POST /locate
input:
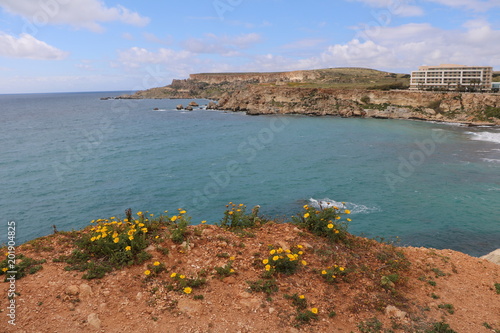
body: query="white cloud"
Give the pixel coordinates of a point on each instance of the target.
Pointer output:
(27, 46)
(77, 13)
(223, 45)
(474, 5)
(401, 8)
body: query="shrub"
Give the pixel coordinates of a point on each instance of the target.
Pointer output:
(333, 274)
(23, 266)
(324, 222)
(236, 219)
(284, 261)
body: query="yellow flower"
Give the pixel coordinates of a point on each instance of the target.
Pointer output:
(173, 218)
(306, 207)
(330, 226)
(230, 213)
(182, 276)
(144, 230)
(139, 213)
(302, 297)
(337, 217)
(98, 237)
(341, 269)
(156, 263)
(275, 258)
(203, 221)
(299, 246)
(151, 215)
(265, 261)
(130, 237)
(128, 248)
(290, 256)
(241, 205)
(280, 250)
(336, 231)
(166, 211)
(314, 310)
(272, 251)
(188, 290)
(147, 272)
(268, 267)
(347, 211)
(182, 212)
(116, 240)
(156, 237)
(238, 210)
(304, 262)
(231, 270)
(323, 272)
(140, 225)
(5, 269)
(92, 239)
(232, 258)
(173, 275)
(349, 220)
(306, 215)
(300, 252)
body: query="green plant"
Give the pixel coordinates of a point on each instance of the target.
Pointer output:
(440, 327)
(438, 272)
(389, 281)
(497, 287)
(305, 317)
(333, 274)
(324, 222)
(372, 325)
(448, 307)
(299, 301)
(184, 284)
(434, 296)
(284, 261)
(114, 243)
(236, 219)
(225, 270)
(266, 286)
(365, 99)
(22, 266)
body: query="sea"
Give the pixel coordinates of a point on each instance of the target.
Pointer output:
(69, 158)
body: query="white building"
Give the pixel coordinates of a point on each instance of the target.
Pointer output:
(452, 77)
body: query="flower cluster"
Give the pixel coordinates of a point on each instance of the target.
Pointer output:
(333, 274)
(325, 222)
(185, 284)
(155, 269)
(284, 261)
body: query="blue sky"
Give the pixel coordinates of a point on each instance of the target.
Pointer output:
(95, 45)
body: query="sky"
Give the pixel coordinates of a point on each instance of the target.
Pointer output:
(125, 45)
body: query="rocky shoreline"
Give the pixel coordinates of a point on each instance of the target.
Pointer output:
(295, 93)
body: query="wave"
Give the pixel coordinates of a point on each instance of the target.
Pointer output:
(492, 160)
(353, 207)
(486, 136)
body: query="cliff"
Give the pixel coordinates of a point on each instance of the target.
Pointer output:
(471, 108)
(218, 281)
(346, 92)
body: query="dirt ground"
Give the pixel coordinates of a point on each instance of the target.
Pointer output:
(437, 286)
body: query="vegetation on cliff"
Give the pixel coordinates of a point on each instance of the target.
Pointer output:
(159, 273)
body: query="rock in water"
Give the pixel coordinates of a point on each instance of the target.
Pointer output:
(193, 103)
(179, 107)
(494, 257)
(212, 106)
(189, 108)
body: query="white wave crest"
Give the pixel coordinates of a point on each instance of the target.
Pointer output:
(354, 208)
(486, 136)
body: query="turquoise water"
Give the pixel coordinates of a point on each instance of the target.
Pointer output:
(69, 158)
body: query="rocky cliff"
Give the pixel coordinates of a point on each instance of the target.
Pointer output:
(473, 108)
(346, 92)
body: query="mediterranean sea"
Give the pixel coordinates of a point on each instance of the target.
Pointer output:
(69, 158)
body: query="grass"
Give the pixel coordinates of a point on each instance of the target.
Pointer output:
(21, 265)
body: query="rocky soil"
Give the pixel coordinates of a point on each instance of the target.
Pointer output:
(433, 286)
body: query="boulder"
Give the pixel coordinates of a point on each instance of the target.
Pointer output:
(189, 108)
(494, 257)
(193, 103)
(179, 107)
(212, 106)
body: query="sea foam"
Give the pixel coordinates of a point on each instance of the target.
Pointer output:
(353, 207)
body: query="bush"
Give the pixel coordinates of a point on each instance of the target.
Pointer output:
(324, 222)
(236, 219)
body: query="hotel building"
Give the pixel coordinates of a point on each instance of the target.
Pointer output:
(451, 77)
